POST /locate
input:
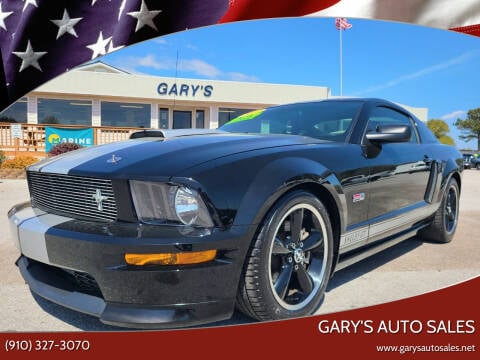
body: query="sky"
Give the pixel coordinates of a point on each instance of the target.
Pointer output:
(408, 64)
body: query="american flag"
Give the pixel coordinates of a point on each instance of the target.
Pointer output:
(257, 9)
(342, 24)
(41, 39)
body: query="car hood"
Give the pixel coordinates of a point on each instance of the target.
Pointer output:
(161, 156)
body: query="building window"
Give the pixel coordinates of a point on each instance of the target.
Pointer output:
(200, 119)
(65, 112)
(227, 114)
(163, 117)
(15, 113)
(125, 114)
(182, 119)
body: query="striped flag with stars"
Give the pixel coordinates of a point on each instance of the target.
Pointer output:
(41, 39)
(342, 24)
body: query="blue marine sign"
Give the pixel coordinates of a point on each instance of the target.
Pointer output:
(53, 136)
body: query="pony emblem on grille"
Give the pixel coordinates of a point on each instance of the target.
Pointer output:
(99, 199)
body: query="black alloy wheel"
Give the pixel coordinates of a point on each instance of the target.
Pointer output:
(298, 256)
(451, 209)
(290, 262)
(445, 220)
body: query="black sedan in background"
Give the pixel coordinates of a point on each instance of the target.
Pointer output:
(467, 164)
(475, 162)
(176, 228)
(471, 161)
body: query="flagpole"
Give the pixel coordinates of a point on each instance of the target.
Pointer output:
(341, 72)
(176, 75)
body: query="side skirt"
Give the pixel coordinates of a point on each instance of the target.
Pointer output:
(360, 254)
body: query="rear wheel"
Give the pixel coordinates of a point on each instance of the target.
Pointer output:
(477, 166)
(445, 220)
(289, 263)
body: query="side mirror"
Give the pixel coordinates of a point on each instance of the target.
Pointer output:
(390, 133)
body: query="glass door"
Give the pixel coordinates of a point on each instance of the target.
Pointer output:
(182, 119)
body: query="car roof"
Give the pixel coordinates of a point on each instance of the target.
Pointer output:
(349, 99)
(343, 99)
(365, 100)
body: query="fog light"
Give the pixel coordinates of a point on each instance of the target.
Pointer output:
(185, 258)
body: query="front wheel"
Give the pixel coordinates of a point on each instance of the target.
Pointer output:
(445, 220)
(289, 263)
(477, 166)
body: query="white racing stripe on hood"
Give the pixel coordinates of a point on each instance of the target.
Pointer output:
(62, 164)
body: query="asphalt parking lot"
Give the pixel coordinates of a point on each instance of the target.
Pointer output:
(408, 269)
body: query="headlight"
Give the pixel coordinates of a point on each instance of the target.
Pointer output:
(186, 205)
(159, 203)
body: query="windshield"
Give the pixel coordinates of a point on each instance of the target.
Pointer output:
(326, 120)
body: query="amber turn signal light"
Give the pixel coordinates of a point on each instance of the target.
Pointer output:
(185, 258)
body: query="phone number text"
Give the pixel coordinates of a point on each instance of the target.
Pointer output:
(46, 345)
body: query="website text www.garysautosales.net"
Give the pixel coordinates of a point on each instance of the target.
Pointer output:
(412, 349)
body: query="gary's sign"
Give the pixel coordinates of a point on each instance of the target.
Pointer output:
(185, 90)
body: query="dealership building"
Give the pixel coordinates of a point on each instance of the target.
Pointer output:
(98, 94)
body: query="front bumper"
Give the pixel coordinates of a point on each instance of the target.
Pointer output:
(80, 265)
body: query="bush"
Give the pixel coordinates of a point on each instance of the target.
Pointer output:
(2, 157)
(63, 148)
(19, 162)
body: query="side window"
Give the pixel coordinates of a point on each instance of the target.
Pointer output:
(386, 116)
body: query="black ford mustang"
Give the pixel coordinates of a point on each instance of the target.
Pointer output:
(175, 228)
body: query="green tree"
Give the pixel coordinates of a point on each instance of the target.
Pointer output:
(447, 140)
(470, 126)
(440, 129)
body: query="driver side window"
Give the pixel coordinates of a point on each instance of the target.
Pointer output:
(386, 116)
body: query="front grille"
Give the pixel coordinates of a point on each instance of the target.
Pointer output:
(72, 196)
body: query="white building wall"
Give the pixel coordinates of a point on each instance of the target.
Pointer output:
(138, 87)
(32, 107)
(96, 113)
(213, 117)
(420, 113)
(154, 116)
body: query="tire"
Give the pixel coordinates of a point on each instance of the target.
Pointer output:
(289, 263)
(477, 166)
(445, 220)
